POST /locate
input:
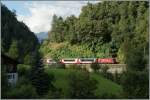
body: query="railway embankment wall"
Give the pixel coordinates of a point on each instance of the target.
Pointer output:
(112, 68)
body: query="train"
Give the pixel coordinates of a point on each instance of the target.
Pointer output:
(83, 61)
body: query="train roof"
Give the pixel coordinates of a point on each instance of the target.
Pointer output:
(87, 58)
(69, 58)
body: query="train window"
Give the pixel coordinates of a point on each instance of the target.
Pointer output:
(87, 59)
(69, 60)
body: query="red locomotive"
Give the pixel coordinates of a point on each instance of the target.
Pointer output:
(106, 60)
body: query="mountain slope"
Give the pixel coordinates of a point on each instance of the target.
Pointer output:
(41, 36)
(13, 30)
(104, 85)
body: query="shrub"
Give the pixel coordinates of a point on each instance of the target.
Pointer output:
(136, 84)
(95, 67)
(25, 91)
(23, 70)
(55, 94)
(108, 96)
(41, 81)
(81, 85)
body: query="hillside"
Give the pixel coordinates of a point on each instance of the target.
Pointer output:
(104, 85)
(106, 29)
(17, 39)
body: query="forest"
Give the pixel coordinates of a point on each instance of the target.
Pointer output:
(118, 29)
(102, 30)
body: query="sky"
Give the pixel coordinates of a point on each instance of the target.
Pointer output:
(37, 15)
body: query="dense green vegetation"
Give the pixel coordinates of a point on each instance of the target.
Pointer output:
(17, 41)
(136, 85)
(101, 30)
(20, 44)
(106, 29)
(104, 86)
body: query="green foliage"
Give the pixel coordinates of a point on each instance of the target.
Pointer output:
(95, 67)
(13, 50)
(65, 50)
(23, 70)
(103, 51)
(106, 29)
(17, 39)
(41, 80)
(25, 91)
(56, 33)
(136, 84)
(138, 62)
(55, 94)
(30, 59)
(103, 31)
(118, 77)
(81, 85)
(104, 69)
(19, 43)
(109, 96)
(113, 49)
(74, 66)
(105, 73)
(103, 86)
(121, 55)
(4, 82)
(22, 90)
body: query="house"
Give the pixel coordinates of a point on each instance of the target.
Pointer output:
(11, 68)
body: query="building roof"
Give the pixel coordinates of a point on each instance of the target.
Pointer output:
(5, 57)
(11, 64)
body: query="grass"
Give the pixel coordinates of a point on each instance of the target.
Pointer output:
(104, 85)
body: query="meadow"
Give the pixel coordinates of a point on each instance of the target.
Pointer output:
(104, 86)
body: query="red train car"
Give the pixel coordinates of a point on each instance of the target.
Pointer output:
(106, 60)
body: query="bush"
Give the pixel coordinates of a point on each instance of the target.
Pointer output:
(106, 74)
(25, 91)
(55, 94)
(23, 70)
(108, 96)
(74, 66)
(4, 82)
(57, 65)
(95, 67)
(136, 84)
(104, 70)
(81, 85)
(118, 77)
(41, 81)
(138, 63)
